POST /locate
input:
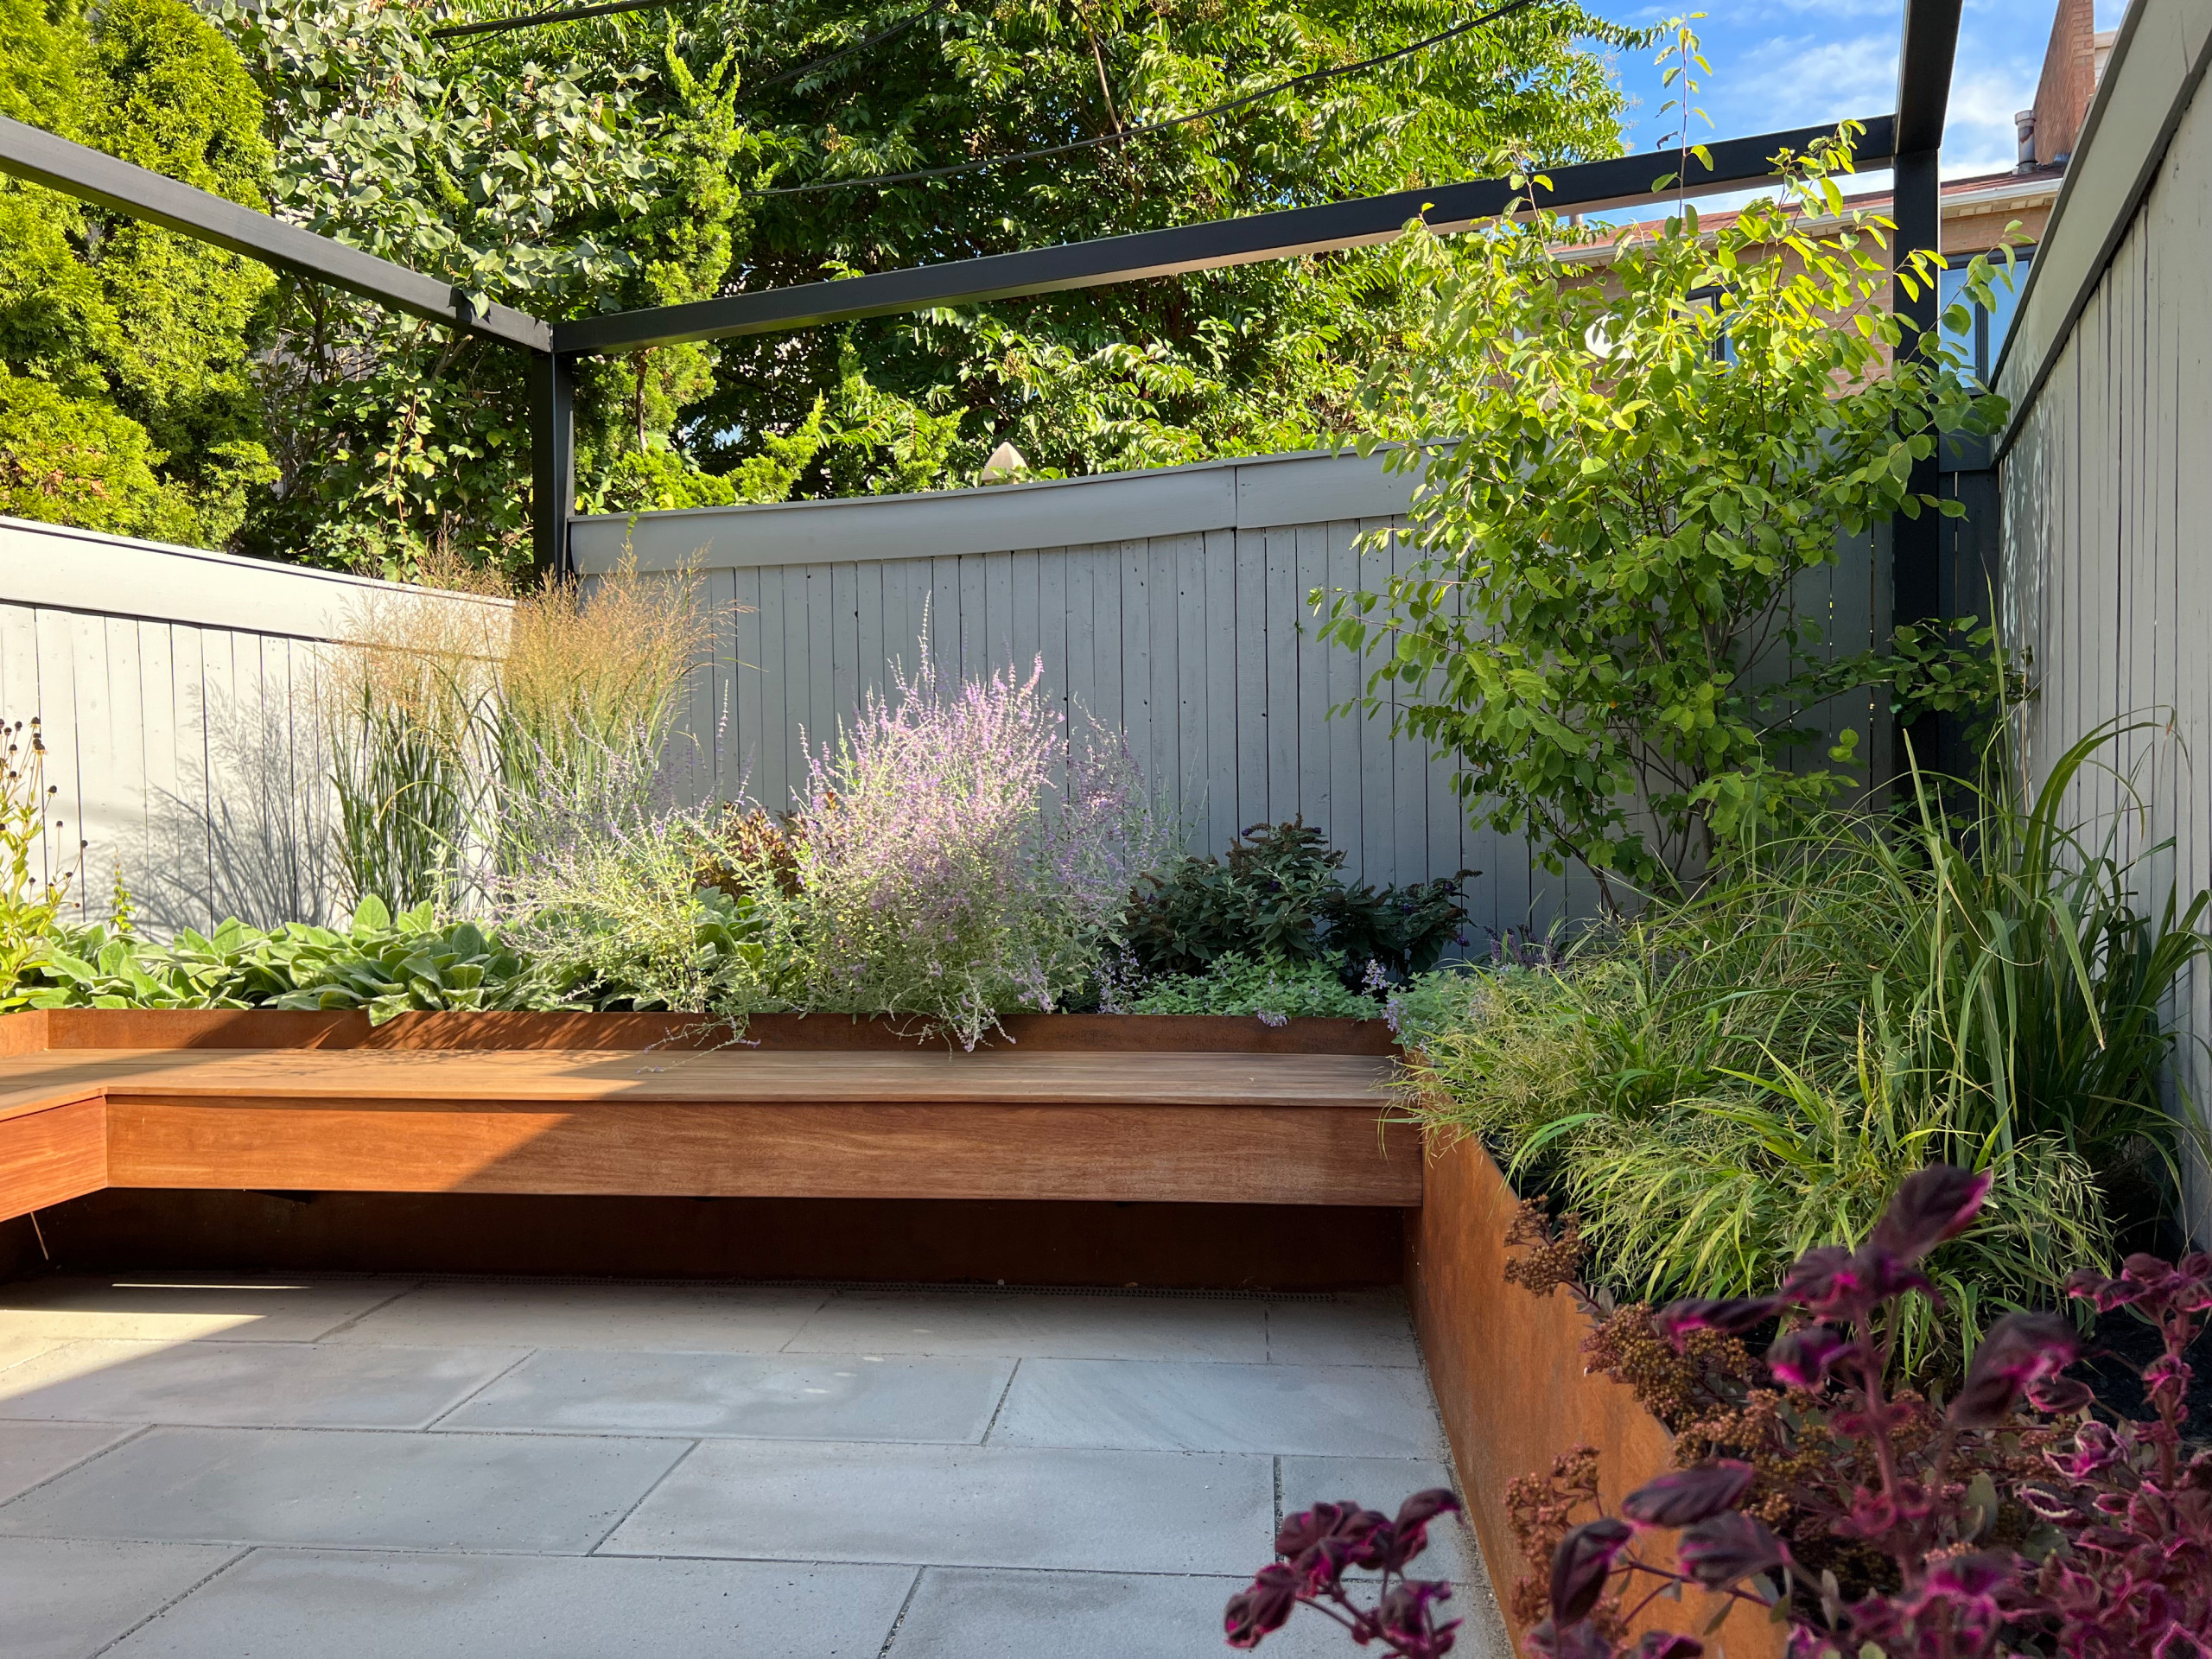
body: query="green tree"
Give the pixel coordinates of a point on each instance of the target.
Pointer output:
(561, 183)
(602, 165)
(1265, 357)
(124, 403)
(1606, 623)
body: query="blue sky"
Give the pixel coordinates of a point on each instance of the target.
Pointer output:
(1788, 63)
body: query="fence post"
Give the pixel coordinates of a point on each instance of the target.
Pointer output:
(552, 460)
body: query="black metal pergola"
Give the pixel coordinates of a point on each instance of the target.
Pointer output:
(1907, 141)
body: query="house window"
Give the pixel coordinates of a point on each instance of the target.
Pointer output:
(1983, 341)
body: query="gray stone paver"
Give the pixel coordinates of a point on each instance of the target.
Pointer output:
(972, 1613)
(172, 1307)
(784, 1397)
(961, 1506)
(32, 1452)
(284, 1603)
(249, 1384)
(551, 1494)
(1325, 1410)
(1036, 1327)
(68, 1598)
(632, 1319)
(579, 1470)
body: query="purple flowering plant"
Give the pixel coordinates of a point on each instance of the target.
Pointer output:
(1317, 1546)
(959, 854)
(2014, 1519)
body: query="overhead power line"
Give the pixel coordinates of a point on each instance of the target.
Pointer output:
(533, 19)
(1312, 78)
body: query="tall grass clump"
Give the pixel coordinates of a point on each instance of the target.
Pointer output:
(410, 700)
(591, 686)
(959, 854)
(463, 734)
(1726, 1080)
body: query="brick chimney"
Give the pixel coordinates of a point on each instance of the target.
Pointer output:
(2069, 80)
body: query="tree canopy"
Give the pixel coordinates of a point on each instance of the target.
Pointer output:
(125, 404)
(663, 156)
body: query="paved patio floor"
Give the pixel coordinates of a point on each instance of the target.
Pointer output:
(217, 1467)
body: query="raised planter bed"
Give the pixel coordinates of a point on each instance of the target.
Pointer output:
(1508, 1370)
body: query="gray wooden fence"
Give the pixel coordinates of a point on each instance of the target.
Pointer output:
(176, 690)
(1170, 605)
(2107, 498)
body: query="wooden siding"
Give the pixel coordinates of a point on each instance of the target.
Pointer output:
(1199, 647)
(2108, 502)
(176, 690)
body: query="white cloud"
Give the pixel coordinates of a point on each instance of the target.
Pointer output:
(1980, 136)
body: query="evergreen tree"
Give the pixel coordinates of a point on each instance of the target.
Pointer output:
(124, 403)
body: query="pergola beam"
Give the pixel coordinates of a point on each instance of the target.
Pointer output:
(32, 154)
(1588, 187)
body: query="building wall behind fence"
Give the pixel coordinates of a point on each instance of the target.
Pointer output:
(2107, 494)
(1171, 605)
(176, 688)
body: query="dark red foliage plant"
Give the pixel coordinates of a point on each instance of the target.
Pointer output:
(1317, 1546)
(2016, 1519)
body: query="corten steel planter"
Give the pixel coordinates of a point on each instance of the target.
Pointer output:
(1508, 1370)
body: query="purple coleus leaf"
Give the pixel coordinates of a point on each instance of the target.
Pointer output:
(2020, 1349)
(1263, 1606)
(1687, 1495)
(1387, 1549)
(1665, 1644)
(1580, 1565)
(1728, 1548)
(1837, 1283)
(1939, 1202)
(1801, 1358)
(1407, 1621)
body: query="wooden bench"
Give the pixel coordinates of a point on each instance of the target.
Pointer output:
(313, 1103)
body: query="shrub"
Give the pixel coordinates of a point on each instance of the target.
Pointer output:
(1603, 623)
(1276, 992)
(2012, 1520)
(958, 855)
(590, 688)
(1722, 1083)
(612, 907)
(1278, 895)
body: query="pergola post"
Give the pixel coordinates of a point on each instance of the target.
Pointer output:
(552, 460)
(1931, 38)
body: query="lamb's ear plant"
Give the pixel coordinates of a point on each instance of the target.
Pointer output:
(1614, 618)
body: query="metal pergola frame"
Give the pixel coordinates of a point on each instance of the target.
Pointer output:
(1908, 142)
